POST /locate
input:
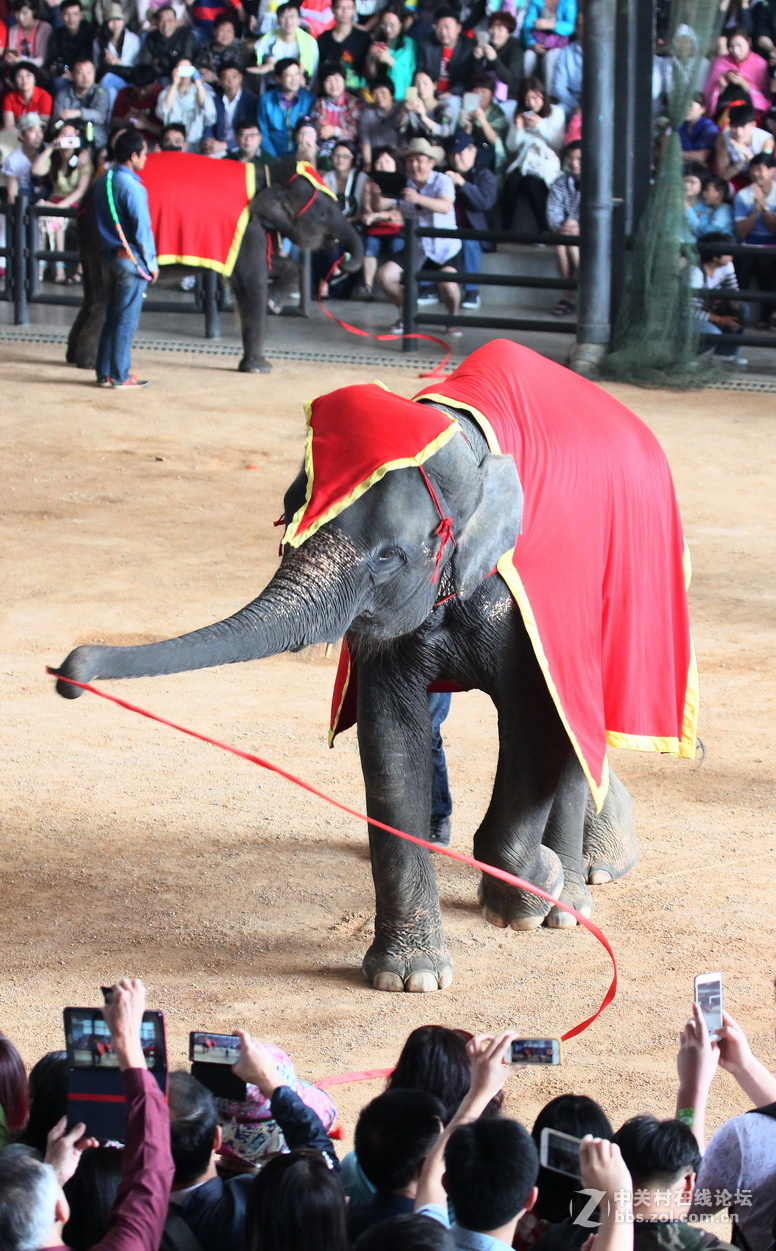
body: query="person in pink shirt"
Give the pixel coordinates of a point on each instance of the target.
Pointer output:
(741, 67)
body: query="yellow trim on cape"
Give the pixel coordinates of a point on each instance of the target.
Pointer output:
(294, 537)
(336, 718)
(480, 418)
(222, 267)
(686, 746)
(308, 171)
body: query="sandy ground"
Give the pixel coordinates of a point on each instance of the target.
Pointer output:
(245, 902)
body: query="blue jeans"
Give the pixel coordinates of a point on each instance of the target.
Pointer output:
(124, 290)
(441, 801)
(471, 255)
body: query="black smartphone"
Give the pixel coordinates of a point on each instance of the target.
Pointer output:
(390, 182)
(95, 1090)
(212, 1057)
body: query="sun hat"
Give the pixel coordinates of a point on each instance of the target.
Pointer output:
(27, 120)
(113, 11)
(422, 147)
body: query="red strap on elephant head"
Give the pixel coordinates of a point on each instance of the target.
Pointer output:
(308, 172)
(444, 529)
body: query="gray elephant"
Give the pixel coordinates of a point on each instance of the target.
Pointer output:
(513, 529)
(292, 205)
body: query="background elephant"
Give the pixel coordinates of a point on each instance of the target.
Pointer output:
(402, 567)
(291, 207)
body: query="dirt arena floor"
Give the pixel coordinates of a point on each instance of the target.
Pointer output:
(127, 848)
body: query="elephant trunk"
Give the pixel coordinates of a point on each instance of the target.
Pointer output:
(312, 598)
(352, 242)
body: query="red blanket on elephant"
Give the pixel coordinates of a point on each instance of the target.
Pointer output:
(600, 570)
(199, 208)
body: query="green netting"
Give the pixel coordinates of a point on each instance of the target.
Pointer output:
(656, 337)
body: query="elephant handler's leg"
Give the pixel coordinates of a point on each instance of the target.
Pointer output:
(394, 736)
(250, 281)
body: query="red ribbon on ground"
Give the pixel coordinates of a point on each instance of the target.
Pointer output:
(382, 338)
(490, 869)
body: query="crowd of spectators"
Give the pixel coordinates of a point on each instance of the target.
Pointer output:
(437, 1162)
(491, 87)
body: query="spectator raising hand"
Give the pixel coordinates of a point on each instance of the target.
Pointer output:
(696, 1064)
(603, 1169)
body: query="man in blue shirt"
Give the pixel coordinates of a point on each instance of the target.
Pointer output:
(127, 257)
(281, 108)
(698, 133)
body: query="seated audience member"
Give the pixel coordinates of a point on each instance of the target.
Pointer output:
(713, 211)
(411, 1233)
(345, 44)
(429, 197)
(739, 143)
(547, 28)
(248, 147)
(384, 230)
(115, 50)
(502, 54)
(297, 1204)
(203, 16)
(17, 168)
(393, 52)
(693, 177)
(447, 57)
(187, 100)
(737, 1170)
(305, 147)
(70, 42)
(48, 1099)
(14, 1090)
(534, 139)
(222, 48)
(85, 102)
(562, 213)
(91, 1194)
(282, 108)
(715, 308)
(136, 104)
(28, 38)
(684, 63)
(66, 167)
(698, 133)
(425, 115)
(754, 211)
(148, 12)
(487, 124)
(740, 68)
(662, 1158)
(567, 75)
(378, 125)
(394, 1134)
(288, 41)
(168, 44)
(234, 105)
(33, 1207)
(347, 183)
(476, 190)
(336, 112)
(25, 97)
(173, 138)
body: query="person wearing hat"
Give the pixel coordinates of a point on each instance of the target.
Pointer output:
(18, 164)
(476, 191)
(429, 197)
(25, 97)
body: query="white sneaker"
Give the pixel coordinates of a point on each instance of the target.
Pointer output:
(188, 283)
(397, 328)
(425, 301)
(471, 301)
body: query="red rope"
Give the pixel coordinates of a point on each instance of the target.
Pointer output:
(491, 870)
(444, 530)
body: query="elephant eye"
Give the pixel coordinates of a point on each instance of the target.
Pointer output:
(392, 554)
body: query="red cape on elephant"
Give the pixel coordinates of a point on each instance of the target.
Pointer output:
(600, 569)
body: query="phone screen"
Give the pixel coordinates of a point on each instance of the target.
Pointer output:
(535, 1051)
(214, 1048)
(470, 102)
(411, 93)
(559, 1152)
(708, 996)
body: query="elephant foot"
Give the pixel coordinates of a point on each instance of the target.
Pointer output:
(258, 366)
(609, 847)
(81, 362)
(576, 894)
(398, 966)
(504, 906)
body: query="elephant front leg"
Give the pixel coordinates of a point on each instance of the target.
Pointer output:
(394, 735)
(250, 283)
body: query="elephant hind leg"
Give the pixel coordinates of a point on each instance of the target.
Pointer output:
(609, 847)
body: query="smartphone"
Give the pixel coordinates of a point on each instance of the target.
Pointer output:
(470, 102)
(68, 141)
(95, 1088)
(186, 71)
(482, 37)
(559, 1152)
(411, 94)
(390, 182)
(535, 1051)
(708, 996)
(212, 1057)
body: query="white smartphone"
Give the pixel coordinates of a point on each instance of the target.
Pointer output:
(559, 1152)
(534, 1051)
(470, 102)
(708, 996)
(411, 94)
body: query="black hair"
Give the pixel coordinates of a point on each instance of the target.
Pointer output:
(574, 146)
(434, 1057)
(533, 84)
(490, 1170)
(70, 4)
(328, 70)
(289, 4)
(84, 59)
(739, 30)
(569, 1114)
(222, 19)
(166, 8)
(719, 184)
(657, 1151)
(48, 1099)
(296, 1203)
(128, 144)
(377, 152)
(411, 1232)
(764, 158)
(715, 244)
(345, 143)
(282, 65)
(699, 98)
(441, 13)
(394, 1133)
(193, 1121)
(247, 125)
(25, 65)
(741, 114)
(228, 64)
(694, 169)
(383, 81)
(504, 18)
(91, 1194)
(483, 79)
(143, 75)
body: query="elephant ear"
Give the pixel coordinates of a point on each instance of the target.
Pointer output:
(273, 210)
(492, 528)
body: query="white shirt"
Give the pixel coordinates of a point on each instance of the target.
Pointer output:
(437, 186)
(18, 166)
